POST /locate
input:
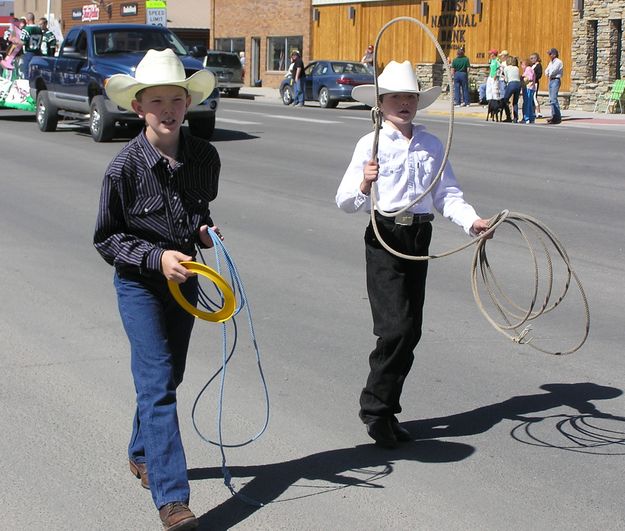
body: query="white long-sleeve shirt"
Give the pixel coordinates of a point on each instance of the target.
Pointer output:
(406, 169)
(554, 69)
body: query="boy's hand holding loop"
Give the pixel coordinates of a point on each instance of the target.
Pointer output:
(205, 237)
(173, 269)
(370, 175)
(480, 226)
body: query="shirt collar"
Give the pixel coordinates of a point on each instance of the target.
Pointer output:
(394, 134)
(153, 155)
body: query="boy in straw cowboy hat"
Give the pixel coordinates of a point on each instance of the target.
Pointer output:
(154, 210)
(408, 160)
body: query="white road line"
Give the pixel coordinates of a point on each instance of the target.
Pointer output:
(281, 117)
(367, 118)
(238, 122)
(301, 119)
(221, 109)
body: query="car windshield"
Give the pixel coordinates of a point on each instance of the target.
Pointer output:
(223, 60)
(126, 41)
(349, 68)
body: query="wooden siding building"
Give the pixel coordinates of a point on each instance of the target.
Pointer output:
(344, 29)
(587, 33)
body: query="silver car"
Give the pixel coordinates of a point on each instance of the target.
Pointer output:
(227, 69)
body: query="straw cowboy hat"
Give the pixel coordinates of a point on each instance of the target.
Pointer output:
(157, 69)
(396, 77)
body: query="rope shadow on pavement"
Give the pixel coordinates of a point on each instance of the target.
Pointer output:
(360, 466)
(577, 396)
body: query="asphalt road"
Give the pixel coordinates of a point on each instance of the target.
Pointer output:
(506, 437)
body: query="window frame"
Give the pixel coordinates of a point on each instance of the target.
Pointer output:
(290, 43)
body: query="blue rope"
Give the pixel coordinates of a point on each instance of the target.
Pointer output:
(221, 254)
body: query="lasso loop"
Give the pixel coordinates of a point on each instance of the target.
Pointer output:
(513, 321)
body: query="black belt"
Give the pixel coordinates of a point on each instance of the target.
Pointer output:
(407, 218)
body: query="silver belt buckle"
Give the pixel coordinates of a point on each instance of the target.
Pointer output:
(404, 219)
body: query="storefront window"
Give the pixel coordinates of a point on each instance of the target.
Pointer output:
(230, 45)
(279, 51)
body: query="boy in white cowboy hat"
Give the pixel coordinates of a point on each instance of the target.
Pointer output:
(408, 160)
(154, 210)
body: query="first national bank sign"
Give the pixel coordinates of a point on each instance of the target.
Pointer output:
(456, 19)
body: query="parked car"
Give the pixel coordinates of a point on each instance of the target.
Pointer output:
(72, 84)
(228, 70)
(329, 82)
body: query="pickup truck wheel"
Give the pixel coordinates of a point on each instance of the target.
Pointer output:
(101, 123)
(233, 92)
(47, 114)
(202, 127)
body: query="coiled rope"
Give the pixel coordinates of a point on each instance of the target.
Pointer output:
(221, 254)
(515, 317)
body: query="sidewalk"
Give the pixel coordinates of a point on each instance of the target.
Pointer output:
(475, 110)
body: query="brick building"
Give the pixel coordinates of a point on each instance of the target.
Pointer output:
(266, 31)
(189, 19)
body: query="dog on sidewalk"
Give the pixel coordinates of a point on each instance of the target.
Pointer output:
(495, 110)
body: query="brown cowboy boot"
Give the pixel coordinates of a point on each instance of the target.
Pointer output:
(176, 516)
(140, 470)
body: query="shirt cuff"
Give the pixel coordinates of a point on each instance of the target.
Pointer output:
(360, 199)
(153, 259)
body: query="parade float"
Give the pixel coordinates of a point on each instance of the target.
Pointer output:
(14, 91)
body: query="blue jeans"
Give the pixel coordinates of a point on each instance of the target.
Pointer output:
(513, 89)
(528, 105)
(482, 92)
(27, 57)
(298, 92)
(158, 330)
(554, 88)
(461, 83)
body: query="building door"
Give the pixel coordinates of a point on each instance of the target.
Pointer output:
(255, 66)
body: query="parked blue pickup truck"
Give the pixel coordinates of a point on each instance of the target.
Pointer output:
(72, 84)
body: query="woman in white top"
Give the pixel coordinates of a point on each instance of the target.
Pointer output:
(512, 77)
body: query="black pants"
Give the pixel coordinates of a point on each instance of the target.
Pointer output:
(396, 289)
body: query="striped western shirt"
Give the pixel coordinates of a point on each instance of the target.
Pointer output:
(147, 207)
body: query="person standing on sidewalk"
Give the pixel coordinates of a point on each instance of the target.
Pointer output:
(298, 79)
(492, 85)
(512, 77)
(553, 72)
(460, 71)
(529, 88)
(538, 74)
(367, 58)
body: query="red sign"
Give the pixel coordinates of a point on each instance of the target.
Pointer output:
(90, 12)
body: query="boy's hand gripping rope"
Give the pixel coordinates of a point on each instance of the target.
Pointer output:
(517, 319)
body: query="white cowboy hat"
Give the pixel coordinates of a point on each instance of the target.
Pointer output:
(396, 77)
(157, 69)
